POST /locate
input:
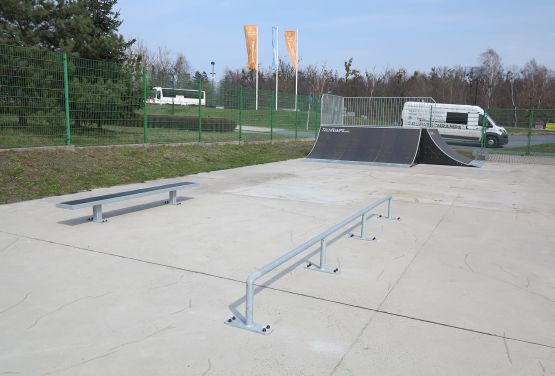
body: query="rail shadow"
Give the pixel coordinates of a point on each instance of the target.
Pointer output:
(120, 212)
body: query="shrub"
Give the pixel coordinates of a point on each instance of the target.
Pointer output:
(190, 123)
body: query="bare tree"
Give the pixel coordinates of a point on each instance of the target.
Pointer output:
(511, 77)
(535, 78)
(181, 70)
(163, 59)
(140, 53)
(371, 81)
(492, 70)
(316, 78)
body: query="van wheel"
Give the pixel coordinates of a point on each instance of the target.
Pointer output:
(491, 141)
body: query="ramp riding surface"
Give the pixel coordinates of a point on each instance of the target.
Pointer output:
(390, 146)
(387, 146)
(434, 150)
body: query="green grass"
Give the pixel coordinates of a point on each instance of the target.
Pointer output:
(117, 135)
(48, 135)
(524, 132)
(467, 153)
(258, 118)
(34, 174)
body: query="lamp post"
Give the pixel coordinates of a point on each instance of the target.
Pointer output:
(213, 74)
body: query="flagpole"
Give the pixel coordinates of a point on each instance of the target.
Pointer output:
(257, 42)
(308, 116)
(277, 62)
(297, 70)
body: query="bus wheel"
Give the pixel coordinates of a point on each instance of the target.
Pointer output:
(491, 141)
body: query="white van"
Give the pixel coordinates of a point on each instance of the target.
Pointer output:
(455, 122)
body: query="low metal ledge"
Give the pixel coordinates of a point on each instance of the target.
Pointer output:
(97, 201)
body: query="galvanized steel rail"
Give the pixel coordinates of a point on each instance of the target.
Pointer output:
(248, 323)
(97, 201)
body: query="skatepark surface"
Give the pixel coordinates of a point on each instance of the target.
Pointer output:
(463, 284)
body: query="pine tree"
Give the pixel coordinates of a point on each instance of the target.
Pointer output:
(85, 28)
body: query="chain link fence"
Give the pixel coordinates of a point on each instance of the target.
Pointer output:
(31, 97)
(531, 131)
(49, 98)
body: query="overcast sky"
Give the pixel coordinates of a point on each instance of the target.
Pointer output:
(414, 34)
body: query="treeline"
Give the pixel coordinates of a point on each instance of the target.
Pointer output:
(489, 84)
(89, 29)
(165, 69)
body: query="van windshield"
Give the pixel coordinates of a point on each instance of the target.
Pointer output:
(490, 122)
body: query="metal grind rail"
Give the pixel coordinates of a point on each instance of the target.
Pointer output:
(363, 214)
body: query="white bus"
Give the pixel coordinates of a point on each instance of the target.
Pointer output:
(182, 97)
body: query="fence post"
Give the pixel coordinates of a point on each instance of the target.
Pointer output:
(531, 121)
(200, 110)
(145, 111)
(272, 119)
(484, 130)
(66, 97)
(240, 113)
(296, 116)
(317, 117)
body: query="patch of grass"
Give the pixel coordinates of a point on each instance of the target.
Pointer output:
(541, 148)
(121, 135)
(34, 174)
(466, 152)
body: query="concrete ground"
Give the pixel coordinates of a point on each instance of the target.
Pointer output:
(463, 284)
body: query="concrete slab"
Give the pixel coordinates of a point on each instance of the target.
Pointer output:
(468, 267)
(416, 348)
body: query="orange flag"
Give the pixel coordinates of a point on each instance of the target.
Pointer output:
(251, 37)
(291, 43)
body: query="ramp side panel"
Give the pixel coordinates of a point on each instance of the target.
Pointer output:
(396, 146)
(434, 150)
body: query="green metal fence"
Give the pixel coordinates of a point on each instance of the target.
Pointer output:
(31, 97)
(531, 131)
(49, 98)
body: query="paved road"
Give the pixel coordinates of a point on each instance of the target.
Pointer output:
(514, 141)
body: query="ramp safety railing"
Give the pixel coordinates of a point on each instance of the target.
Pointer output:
(365, 111)
(364, 214)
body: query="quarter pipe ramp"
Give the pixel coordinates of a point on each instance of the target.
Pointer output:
(393, 146)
